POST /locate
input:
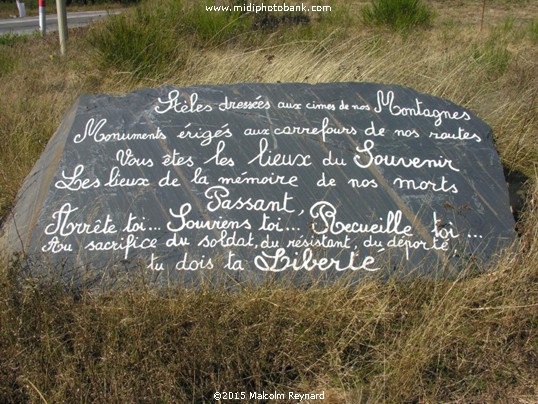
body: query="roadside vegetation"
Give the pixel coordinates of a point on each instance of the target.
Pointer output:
(472, 339)
(8, 8)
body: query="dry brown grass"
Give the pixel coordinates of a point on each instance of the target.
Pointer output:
(470, 340)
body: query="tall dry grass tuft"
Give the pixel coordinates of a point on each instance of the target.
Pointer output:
(506, 101)
(479, 332)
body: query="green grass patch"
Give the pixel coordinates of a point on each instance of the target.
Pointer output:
(533, 31)
(14, 39)
(493, 55)
(399, 15)
(155, 37)
(137, 43)
(7, 63)
(211, 28)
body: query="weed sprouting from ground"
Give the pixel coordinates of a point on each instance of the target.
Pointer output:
(533, 31)
(493, 56)
(138, 43)
(12, 39)
(400, 15)
(7, 63)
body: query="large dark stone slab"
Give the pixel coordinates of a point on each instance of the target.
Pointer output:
(254, 180)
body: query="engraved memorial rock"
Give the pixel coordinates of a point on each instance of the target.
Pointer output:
(250, 181)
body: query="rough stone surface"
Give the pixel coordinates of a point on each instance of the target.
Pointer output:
(253, 181)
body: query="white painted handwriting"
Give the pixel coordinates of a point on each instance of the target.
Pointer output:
(371, 130)
(271, 179)
(266, 157)
(324, 130)
(55, 246)
(64, 226)
(218, 199)
(443, 230)
(74, 182)
(116, 180)
(125, 243)
(328, 223)
(181, 106)
(393, 161)
(186, 264)
(176, 159)
(364, 183)
(218, 158)
(258, 103)
(168, 181)
(206, 135)
(409, 133)
(93, 130)
(189, 224)
(461, 135)
(227, 240)
(289, 105)
(425, 185)
(126, 158)
(387, 100)
(256, 132)
(280, 261)
(408, 244)
(330, 161)
(324, 241)
(325, 182)
(315, 105)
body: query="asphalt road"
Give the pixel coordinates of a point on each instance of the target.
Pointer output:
(28, 25)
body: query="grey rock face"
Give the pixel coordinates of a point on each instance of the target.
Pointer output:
(253, 181)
